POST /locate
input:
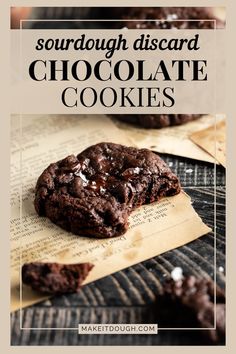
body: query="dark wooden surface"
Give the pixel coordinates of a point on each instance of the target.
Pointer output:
(129, 296)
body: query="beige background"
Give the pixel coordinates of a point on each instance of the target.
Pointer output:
(231, 177)
(190, 96)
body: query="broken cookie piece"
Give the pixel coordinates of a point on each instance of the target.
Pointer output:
(93, 193)
(189, 303)
(55, 278)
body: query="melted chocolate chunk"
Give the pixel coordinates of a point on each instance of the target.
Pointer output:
(94, 192)
(55, 278)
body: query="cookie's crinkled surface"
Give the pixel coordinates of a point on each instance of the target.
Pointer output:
(94, 192)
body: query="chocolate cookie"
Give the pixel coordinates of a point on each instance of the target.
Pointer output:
(55, 278)
(189, 302)
(164, 18)
(170, 17)
(157, 121)
(94, 192)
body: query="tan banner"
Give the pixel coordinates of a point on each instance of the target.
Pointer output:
(118, 71)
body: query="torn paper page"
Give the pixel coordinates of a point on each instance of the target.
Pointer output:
(174, 140)
(213, 141)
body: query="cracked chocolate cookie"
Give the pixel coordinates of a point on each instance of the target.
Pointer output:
(93, 193)
(170, 18)
(157, 121)
(165, 18)
(55, 278)
(189, 302)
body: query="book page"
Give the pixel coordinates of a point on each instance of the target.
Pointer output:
(174, 140)
(39, 140)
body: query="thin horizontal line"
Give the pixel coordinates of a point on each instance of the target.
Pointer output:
(76, 329)
(204, 187)
(125, 20)
(187, 329)
(49, 328)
